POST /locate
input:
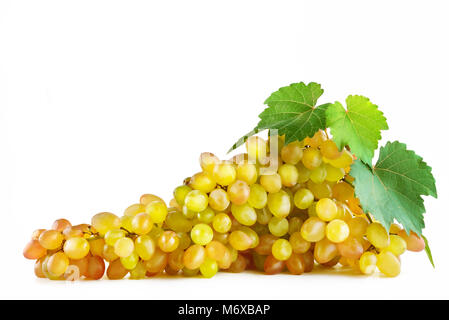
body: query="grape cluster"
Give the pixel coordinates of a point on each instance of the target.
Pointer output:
(272, 209)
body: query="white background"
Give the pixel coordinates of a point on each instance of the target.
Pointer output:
(101, 101)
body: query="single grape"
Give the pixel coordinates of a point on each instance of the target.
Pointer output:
(397, 245)
(105, 221)
(76, 248)
(145, 199)
(320, 190)
(342, 191)
(202, 181)
(292, 153)
(194, 256)
(177, 222)
(273, 265)
(319, 174)
(36, 234)
(388, 263)
(281, 249)
(238, 192)
(219, 199)
(142, 223)
(265, 244)
(313, 229)
(157, 262)
(61, 224)
(95, 268)
(294, 225)
(337, 231)
(109, 253)
(357, 226)
(272, 183)
(113, 235)
(334, 174)
(289, 175)
(247, 172)
(256, 148)
(157, 210)
(414, 243)
(377, 235)
(57, 264)
(311, 158)
(299, 244)
(367, 263)
(257, 196)
(130, 262)
(180, 194)
(296, 264)
(239, 265)
(263, 216)
(123, 247)
(34, 250)
(252, 234)
(343, 161)
(351, 248)
(222, 223)
(138, 272)
(278, 226)
(175, 259)
(240, 240)
(116, 270)
(201, 234)
(209, 267)
(326, 209)
(330, 150)
(303, 173)
(325, 251)
(38, 268)
(244, 214)
(134, 209)
(196, 201)
(208, 161)
(224, 173)
(51, 239)
(303, 198)
(168, 241)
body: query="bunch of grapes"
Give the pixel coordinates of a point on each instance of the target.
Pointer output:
(273, 209)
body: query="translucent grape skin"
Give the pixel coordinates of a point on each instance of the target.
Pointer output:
(414, 243)
(34, 250)
(296, 264)
(116, 270)
(194, 256)
(95, 268)
(273, 266)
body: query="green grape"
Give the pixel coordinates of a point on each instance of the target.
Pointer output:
(259, 261)
(289, 175)
(329, 150)
(155, 232)
(209, 268)
(105, 221)
(145, 247)
(239, 240)
(51, 239)
(326, 209)
(303, 198)
(278, 226)
(320, 190)
(190, 273)
(325, 251)
(311, 158)
(130, 261)
(184, 240)
(134, 209)
(76, 248)
(244, 214)
(367, 262)
(337, 231)
(257, 196)
(299, 245)
(238, 192)
(294, 225)
(256, 148)
(313, 229)
(318, 175)
(142, 223)
(247, 172)
(272, 183)
(196, 201)
(388, 263)
(208, 161)
(113, 235)
(157, 210)
(311, 211)
(221, 237)
(138, 272)
(292, 153)
(222, 223)
(219, 200)
(224, 173)
(180, 194)
(263, 216)
(397, 245)
(177, 222)
(279, 204)
(333, 174)
(202, 181)
(201, 234)
(377, 235)
(206, 216)
(343, 161)
(281, 249)
(303, 173)
(123, 247)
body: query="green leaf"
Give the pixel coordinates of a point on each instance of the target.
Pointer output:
(392, 189)
(358, 127)
(292, 111)
(243, 139)
(428, 252)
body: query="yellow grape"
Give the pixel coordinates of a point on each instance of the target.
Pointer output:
(238, 192)
(130, 262)
(357, 226)
(105, 221)
(157, 210)
(219, 199)
(256, 148)
(330, 150)
(333, 174)
(337, 231)
(202, 181)
(299, 244)
(311, 158)
(278, 226)
(326, 209)
(325, 251)
(61, 224)
(57, 264)
(377, 235)
(224, 173)
(134, 209)
(303, 173)
(180, 194)
(113, 235)
(272, 183)
(281, 249)
(343, 161)
(239, 240)
(292, 153)
(244, 214)
(145, 247)
(367, 263)
(320, 190)
(279, 204)
(201, 234)
(177, 222)
(257, 196)
(247, 172)
(142, 223)
(34, 250)
(124, 247)
(289, 175)
(145, 199)
(51, 239)
(313, 229)
(388, 263)
(127, 222)
(342, 191)
(76, 248)
(222, 223)
(252, 234)
(209, 268)
(318, 175)
(168, 241)
(208, 161)
(194, 257)
(397, 245)
(196, 201)
(303, 198)
(138, 272)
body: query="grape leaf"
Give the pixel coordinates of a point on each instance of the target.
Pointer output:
(358, 127)
(292, 111)
(428, 252)
(243, 139)
(392, 189)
